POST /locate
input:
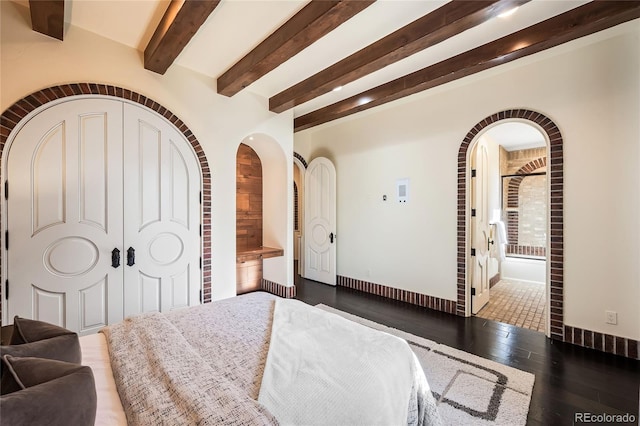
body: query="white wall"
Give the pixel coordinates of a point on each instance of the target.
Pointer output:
(32, 61)
(589, 87)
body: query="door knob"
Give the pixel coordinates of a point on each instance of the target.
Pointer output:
(115, 258)
(331, 237)
(131, 256)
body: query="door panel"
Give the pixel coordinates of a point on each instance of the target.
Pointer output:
(147, 167)
(93, 300)
(48, 306)
(480, 227)
(48, 171)
(320, 221)
(162, 195)
(179, 200)
(94, 170)
(65, 216)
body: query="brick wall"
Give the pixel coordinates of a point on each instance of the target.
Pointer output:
(525, 201)
(532, 224)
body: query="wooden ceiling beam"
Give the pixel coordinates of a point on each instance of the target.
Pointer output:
(180, 22)
(47, 17)
(315, 20)
(447, 21)
(582, 21)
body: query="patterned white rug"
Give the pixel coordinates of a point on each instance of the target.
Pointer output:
(470, 390)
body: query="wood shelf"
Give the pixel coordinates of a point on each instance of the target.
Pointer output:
(258, 253)
(249, 267)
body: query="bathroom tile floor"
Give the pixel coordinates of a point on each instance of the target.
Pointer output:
(517, 303)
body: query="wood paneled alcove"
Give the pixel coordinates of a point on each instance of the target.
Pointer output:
(249, 217)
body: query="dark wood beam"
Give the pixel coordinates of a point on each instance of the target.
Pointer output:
(47, 17)
(180, 22)
(315, 20)
(447, 21)
(584, 20)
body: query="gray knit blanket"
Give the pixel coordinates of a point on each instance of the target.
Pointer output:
(200, 366)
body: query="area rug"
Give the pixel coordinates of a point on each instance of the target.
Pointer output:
(469, 390)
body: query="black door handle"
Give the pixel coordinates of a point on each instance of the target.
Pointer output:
(115, 258)
(131, 256)
(331, 237)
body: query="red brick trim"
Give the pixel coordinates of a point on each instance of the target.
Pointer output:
(278, 289)
(301, 158)
(19, 110)
(556, 196)
(407, 296)
(602, 342)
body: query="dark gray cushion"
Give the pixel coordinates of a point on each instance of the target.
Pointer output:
(61, 348)
(52, 393)
(27, 331)
(41, 340)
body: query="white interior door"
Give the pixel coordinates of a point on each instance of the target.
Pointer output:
(162, 227)
(320, 221)
(89, 176)
(65, 216)
(480, 228)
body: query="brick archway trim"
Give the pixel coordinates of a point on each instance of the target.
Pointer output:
(19, 110)
(514, 183)
(556, 197)
(301, 158)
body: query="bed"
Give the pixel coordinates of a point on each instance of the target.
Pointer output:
(254, 359)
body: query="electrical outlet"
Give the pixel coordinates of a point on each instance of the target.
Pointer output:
(612, 317)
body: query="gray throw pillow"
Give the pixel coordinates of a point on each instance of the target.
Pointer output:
(61, 348)
(27, 331)
(41, 340)
(52, 393)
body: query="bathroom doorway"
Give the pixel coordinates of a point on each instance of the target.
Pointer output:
(514, 210)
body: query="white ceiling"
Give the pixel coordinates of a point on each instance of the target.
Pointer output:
(515, 136)
(237, 26)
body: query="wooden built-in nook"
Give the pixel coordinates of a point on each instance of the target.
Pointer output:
(249, 249)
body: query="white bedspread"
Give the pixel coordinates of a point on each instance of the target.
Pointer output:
(205, 365)
(325, 370)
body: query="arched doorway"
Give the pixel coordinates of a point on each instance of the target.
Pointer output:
(509, 225)
(20, 112)
(555, 268)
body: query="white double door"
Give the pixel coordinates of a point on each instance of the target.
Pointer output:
(103, 216)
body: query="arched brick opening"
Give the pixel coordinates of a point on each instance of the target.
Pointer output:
(556, 198)
(513, 201)
(301, 158)
(19, 110)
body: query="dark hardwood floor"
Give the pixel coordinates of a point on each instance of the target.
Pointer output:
(569, 379)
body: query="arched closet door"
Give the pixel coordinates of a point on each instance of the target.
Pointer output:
(103, 215)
